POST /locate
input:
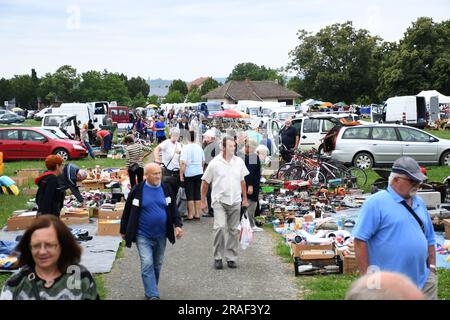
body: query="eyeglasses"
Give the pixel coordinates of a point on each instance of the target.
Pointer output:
(412, 182)
(47, 246)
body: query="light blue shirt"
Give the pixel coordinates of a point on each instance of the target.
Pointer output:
(193, 155)
(395, 241)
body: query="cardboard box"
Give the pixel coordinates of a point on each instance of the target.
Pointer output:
(30, 173)
(317, 254)
(20, 220)
(93, 185)
(110, 215)
(350, 265)
(431, 198)
(69, 220)
(108, 227)
(297, 249)
(76, 213)
(447, 228)
(21, 180)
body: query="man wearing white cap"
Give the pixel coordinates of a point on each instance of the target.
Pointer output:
(394, 230)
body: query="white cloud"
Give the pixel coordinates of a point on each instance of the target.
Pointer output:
(182, 39)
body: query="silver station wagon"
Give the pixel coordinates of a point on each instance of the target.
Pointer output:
(365, 146)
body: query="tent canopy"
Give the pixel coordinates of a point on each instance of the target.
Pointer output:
(341, 104)
(427, 94)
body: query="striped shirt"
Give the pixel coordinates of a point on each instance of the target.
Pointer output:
(134, 153)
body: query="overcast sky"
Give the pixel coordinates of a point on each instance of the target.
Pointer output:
(182, 39)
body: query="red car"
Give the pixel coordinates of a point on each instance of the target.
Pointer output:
(19, 143)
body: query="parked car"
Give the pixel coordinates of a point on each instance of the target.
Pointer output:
(119, 114)
(40, 114)
(31, 114)
(19, 143)
(365, 146)
(11, 117)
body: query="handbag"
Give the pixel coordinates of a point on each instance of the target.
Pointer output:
(134, 167)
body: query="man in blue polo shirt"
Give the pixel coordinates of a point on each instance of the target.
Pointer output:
(389, 237)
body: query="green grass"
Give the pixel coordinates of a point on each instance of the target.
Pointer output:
(27, 123)
(443, 284)
(100, 282)
(444, 134)
(329, 287)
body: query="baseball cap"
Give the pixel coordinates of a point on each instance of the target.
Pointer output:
(408, 166)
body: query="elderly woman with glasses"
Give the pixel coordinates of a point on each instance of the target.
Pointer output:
(50, 269)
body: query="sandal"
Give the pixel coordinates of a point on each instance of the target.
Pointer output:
(196, 218)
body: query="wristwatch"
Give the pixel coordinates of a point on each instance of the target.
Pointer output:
(432, 267)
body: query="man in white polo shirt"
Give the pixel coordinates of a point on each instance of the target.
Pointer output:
(226, 174)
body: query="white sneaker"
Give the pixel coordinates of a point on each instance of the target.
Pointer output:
(257, 229)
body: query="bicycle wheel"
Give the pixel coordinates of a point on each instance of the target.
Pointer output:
(317, 178)
(282, 170)
(358, 174)
(294, 172)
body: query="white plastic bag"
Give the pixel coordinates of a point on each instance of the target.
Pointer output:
(246, 235)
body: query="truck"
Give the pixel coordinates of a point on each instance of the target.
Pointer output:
(408, 110)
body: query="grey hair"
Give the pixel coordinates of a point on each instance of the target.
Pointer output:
(394, 175)
(175, 131)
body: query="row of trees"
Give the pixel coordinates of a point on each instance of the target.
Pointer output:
(66, 85)
(338, 63)
(342, 63)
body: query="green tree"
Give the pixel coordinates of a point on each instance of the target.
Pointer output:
(207, 86)
(6, 92)
(136, 85)
(91, 86)
(64, 84)
(114, 89)
(180, 86)
(23, 90)
(420, 61)
(139, 101)
(153, 99)
(193, 95)
(295, 84)
(338, 63)
(174, 96)
(254, 72)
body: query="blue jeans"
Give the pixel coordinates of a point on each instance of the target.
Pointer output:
(151, 253)
(89, 149)
(107, 142)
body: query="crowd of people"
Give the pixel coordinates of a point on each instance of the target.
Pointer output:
(220, 173)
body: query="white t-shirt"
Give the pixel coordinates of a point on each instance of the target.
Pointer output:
(170, 149)
(226, 178)
(193, 155)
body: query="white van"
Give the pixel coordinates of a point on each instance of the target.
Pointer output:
(283, 113)
(100, 110)
(410, 110)
(61, 121)
(83, 111)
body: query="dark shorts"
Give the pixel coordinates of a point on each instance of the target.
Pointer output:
(192, 187)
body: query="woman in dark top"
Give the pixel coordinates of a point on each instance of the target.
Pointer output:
(49, 197)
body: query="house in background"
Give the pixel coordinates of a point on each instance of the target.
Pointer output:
(266, 91)
(197, 82)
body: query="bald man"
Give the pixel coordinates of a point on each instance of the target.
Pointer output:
(384, 286)
(149, 218)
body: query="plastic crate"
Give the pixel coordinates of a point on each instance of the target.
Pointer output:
(322, 266)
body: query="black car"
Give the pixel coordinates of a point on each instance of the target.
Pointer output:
(9, 118)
